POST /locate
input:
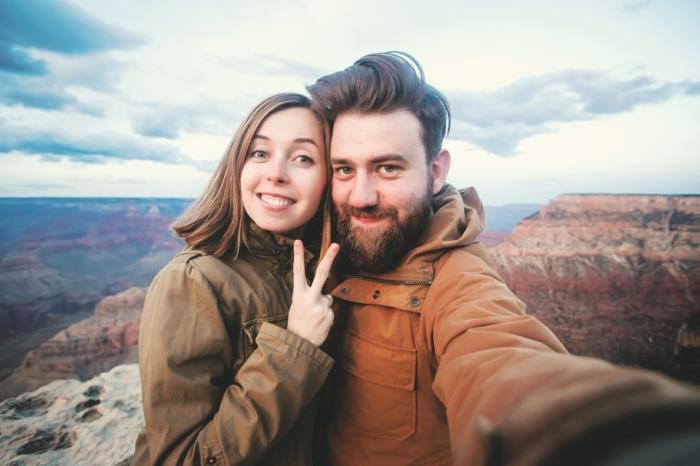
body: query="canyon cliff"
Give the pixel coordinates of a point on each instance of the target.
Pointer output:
(106, 339)
(614, 276)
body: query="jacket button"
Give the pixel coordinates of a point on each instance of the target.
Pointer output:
(211, 460)
(345, 291)
(415, 302)
(375, 295)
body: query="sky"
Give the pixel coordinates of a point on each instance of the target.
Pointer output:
(139, 99)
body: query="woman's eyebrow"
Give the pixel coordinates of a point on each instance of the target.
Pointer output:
(307, 140)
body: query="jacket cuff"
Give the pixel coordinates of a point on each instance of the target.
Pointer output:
(301, 345)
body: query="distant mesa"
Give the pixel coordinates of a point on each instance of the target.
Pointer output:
(60, 256)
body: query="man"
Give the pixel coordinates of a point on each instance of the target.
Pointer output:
(439, 364)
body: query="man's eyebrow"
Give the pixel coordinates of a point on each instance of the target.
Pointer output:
(374, 160)
(339, 161)
(301, 140)
(389, 158)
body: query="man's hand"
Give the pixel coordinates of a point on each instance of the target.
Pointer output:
(310, 315)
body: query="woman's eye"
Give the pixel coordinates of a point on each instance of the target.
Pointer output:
(257, 155)
(304, 159)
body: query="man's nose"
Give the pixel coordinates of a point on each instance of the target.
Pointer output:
(277, 170)
(364, 193)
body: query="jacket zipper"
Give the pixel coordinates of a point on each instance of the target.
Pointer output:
(389, 281)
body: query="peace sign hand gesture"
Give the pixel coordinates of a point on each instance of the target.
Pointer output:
(310, 315)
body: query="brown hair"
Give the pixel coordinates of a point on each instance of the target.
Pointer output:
(217, 222)
(384, 82)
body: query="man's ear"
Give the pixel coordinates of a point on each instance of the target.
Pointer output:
(439, 167)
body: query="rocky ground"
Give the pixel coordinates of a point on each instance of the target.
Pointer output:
(74, 423)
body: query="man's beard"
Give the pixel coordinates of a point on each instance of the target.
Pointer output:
(362, 250)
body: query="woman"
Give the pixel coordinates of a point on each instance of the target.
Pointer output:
(223, 381)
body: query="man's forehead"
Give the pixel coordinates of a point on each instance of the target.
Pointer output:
(369, 135)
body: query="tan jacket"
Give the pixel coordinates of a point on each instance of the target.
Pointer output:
(223, 382)
(439, 360)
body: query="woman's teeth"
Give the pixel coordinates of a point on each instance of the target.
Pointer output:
(276, 201)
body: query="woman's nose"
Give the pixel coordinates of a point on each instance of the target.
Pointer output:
(277, 171)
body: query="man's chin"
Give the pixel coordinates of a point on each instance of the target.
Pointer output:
(370, 234)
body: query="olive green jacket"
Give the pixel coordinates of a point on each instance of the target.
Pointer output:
(223, 382)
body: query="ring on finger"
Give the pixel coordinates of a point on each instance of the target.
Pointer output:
(329, 298)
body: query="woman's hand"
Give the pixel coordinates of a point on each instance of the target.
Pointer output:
(310, 315)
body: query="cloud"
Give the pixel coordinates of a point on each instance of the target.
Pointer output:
(499, 120)
(43, 44)
(90, 147)
(57, 26)
(170, 120)
(35, 93)
(53, 91)
(17, 60)
(274, 66)
(44, 94)
(630, 7)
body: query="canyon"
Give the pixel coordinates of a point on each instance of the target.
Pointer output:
(614, 276)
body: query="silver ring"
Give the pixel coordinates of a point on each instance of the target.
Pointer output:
(329, 298)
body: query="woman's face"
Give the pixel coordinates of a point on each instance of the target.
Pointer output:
(284, 174)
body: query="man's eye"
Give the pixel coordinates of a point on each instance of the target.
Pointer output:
(389, 169)
(343, 171)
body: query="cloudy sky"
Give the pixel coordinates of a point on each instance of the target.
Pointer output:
(132, 98)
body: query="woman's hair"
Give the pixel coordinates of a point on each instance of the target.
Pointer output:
(217, 222)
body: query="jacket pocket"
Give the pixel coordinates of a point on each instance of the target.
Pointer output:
(377, 392)
(251, 327)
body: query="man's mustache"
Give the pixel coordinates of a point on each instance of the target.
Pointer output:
(372, 212)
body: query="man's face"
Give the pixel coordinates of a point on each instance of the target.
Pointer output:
(382, 187)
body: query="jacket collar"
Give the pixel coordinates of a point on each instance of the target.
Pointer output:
(273, 247)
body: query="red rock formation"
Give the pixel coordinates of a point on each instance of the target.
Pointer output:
(614, 276)
(106, 339)
(493, 238)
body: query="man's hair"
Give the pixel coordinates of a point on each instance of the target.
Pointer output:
(384, 82)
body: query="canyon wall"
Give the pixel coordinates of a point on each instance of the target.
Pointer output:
(614, 276)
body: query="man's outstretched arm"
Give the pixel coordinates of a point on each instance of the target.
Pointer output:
(513, 395)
